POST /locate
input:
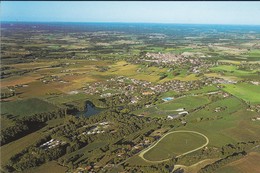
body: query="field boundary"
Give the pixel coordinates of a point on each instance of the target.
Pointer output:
(179, 131)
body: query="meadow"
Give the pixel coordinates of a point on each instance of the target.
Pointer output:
(186, 102)
(17, 146)
(227, 126)
(171, 107)
(245, 91)
(50, 167)
(25, 108)
(249, 163)
(232, 70)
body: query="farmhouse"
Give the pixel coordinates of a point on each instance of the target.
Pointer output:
(183, 113)
(183, 122)
(173, 116)
(256, 118)
(147, 93)
(51, 144)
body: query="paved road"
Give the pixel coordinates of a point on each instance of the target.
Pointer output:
(179, 131)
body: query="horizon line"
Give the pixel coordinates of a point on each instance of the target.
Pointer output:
(131, 22)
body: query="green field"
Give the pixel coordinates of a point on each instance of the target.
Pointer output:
(59, 100)
(249, 163)
(26, 107)
(168, 94)
(166, 108)
(229, 105)
(6, 122)
(254, 55)
(17, 146)
(174, 144)
(232, 70)
(245, 91)
(188, 103)
(47, 167)
(204, 90)
(86, 151)
(234, 125)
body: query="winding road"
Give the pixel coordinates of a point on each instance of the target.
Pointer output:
(179, 131)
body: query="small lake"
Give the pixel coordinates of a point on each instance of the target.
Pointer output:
(90, 110)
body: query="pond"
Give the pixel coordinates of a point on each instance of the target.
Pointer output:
(89, 110)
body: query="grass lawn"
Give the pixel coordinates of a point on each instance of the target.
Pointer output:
(247, 92)
(174, 144)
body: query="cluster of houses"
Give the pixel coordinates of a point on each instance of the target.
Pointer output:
(52, 143)
(175, 59)
(130, 86)
(223, 81)
(52, 78)
(97, 129)
(255, 119)
(20, 86)
(219, 109)
(180, 113)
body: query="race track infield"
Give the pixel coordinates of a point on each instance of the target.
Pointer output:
(174, 144)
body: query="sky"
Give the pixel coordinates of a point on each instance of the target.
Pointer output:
(198, 12)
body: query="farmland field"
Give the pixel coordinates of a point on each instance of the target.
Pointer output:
(24, 107)
(17, 146)
(247, 92)
(235, 124)
(49, 167)
(248, 164)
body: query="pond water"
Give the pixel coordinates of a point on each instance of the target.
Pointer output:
(90, 110)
